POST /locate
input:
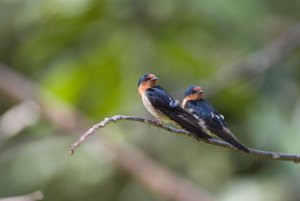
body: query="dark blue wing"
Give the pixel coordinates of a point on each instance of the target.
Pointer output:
(214, 122)
(207, 113)
(162, 101)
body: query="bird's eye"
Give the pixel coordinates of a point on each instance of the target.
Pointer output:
(149, 78)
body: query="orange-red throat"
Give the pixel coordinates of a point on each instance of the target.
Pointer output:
(147, 81)
(193, 93)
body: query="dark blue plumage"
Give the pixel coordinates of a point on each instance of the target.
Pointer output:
(210, 120)
(208, 114)
(161, 105)
(143, 79)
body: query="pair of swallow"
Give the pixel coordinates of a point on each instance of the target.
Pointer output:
(195, 115)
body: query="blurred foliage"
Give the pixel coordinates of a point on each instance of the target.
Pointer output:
(91, 54)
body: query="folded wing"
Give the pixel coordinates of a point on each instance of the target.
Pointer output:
(170, 107)
(217, 125)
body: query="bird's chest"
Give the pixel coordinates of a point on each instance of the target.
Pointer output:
(155, 112)
(150, 107)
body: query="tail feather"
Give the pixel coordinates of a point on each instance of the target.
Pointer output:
(231, 139)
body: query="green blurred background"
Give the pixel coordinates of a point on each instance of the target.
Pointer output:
(91, 54)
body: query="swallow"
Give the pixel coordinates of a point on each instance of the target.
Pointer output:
(168, 110)
(209, 119)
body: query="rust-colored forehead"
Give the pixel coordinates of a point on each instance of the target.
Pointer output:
(151, 76)
(197, 88)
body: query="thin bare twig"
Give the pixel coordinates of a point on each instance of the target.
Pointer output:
(34, 196)
(214, 142)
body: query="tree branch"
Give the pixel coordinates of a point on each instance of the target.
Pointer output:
(34, 196)
(158, 124)
(167, 183)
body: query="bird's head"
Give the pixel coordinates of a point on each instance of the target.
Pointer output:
(147, 81)
(192, 93)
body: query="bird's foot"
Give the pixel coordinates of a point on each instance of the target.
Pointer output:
(158, 122)
(200, 139)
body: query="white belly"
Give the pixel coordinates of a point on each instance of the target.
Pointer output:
(149, 107)
(156, 113)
